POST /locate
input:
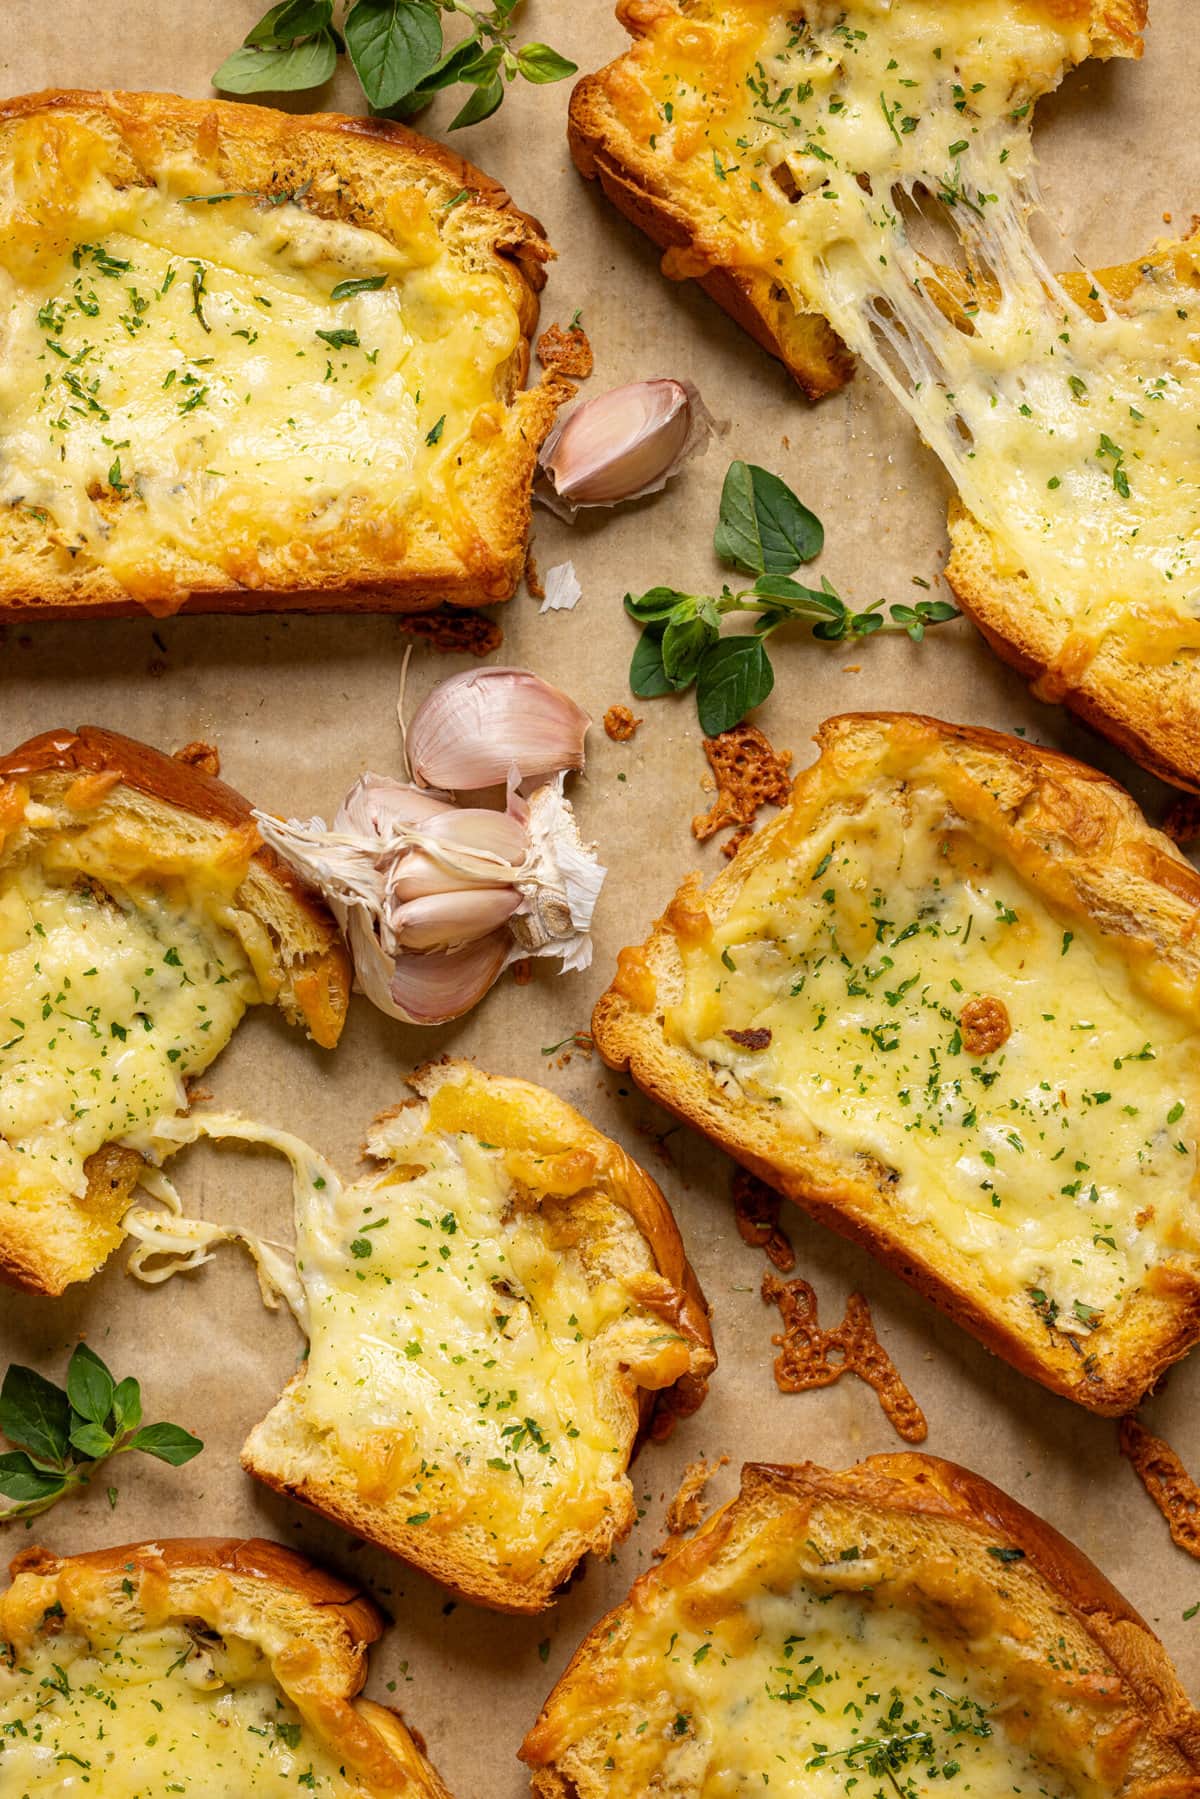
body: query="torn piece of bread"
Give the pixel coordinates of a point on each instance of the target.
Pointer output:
(901, 1626)
(813, 167)
(257, 361)
(493, 1314)
(140, 914)
(195, 1666)
(948, 1003)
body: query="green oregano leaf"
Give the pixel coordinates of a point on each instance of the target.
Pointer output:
(734, 677)
(90, 1386)
(763, 528)
(393, 45)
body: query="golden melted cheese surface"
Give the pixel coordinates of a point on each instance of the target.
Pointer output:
(764, 1681)
(145, 1713)
(109, 998)
(193, 380)
(1068, 422)
(1062, 1162)
(461, 1340)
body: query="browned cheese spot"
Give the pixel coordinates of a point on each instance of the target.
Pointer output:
(1166, 1480)
(812, 1357)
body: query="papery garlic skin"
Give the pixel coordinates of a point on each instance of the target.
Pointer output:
(623, 444)
(556, 916)
(472, 729)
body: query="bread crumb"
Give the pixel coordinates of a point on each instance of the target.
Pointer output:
(568, 352)
(812, 1357)
(687, 1508)
(852, 668)
(1167, 218)
(756, 1214)
(534, 585)
(204, 756)
(454, 628)
(749, 774)
(522, 971)
(1166, 1480)
(1182, 822)
(620, 724)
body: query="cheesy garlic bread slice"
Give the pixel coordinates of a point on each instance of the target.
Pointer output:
(254, 361)
(140, 915)
(858, 177)
(196, 1667)
(949, 1003)
(902, 1627)
(494, 1312)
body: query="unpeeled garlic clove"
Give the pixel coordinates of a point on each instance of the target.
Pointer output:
(449, 921)
(624, 444)
(425, 989)
(376, 804)
(475, 727)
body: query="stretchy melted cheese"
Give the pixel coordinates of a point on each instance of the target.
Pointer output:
(119, 978)
(138, 1714)
(1070, 423)
(908, 996)
(191, 378)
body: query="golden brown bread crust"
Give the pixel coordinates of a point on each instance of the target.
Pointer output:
(314, 1628)
(916, 1498)
(1093, 854)
(548, 1126)
(316, 991)
(257, 145)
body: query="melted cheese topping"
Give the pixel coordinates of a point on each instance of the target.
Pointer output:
(110, 997)
(477, 1326)
(463, 1355)
(802, 1690)
(836, 146)
(155, 1711)
(1062, 1161)
(185, 389)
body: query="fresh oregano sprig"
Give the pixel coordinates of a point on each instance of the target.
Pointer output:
(62, 1437)
(398, 53)
(765, 531)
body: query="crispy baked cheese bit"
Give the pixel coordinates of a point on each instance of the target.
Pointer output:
(139, 917)
(949, 1003)
(812, 152)
(194, 1667)
(246, 353)
(900, 1627)
(490, 1313)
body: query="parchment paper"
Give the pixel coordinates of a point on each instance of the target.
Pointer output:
(299, 707)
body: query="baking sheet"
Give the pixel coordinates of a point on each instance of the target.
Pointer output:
(300, 706)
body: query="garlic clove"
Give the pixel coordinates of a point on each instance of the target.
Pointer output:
(487, 833)
(472, 729)
(623, 444)
(425, 989)
(449, 921)
(559, 899)
(433, 989)
(377, 803)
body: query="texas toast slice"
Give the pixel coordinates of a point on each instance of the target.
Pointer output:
(140, 915)
(948, 1003)
(902, 1625)
(195, 1666)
